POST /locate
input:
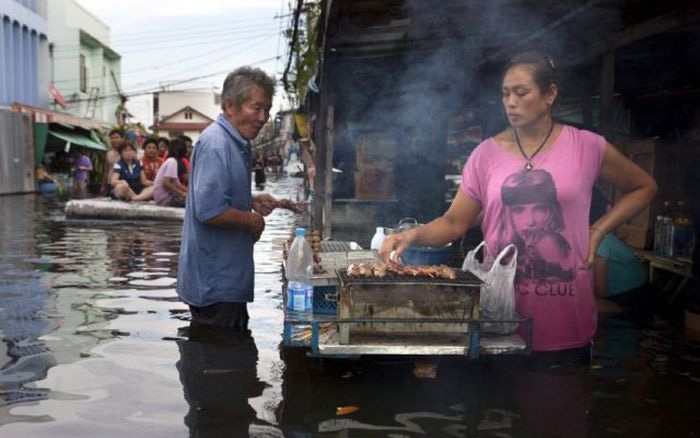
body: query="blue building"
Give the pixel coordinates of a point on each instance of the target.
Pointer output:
(24, 53)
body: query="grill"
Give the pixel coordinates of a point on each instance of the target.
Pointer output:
(335, 246)
(464, 278)
(399, 303)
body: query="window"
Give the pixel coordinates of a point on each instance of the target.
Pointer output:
(188, 114)
(83, 74)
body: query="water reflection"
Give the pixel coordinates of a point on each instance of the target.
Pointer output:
(92, 342)
(218, 371)
(489, 398)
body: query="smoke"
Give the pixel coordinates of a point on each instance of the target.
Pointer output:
(448, 61)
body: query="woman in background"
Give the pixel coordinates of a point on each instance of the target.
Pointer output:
(168, 190)
(619, 277)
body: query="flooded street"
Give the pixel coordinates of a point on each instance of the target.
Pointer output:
(96, 344)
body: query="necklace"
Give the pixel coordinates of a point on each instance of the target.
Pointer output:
(528, 165)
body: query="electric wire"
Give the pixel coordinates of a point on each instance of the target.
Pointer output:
(216, 50)
(141, 92)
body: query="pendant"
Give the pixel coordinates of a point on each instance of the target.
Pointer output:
(528, 166)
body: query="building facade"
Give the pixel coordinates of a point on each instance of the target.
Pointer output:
(85, 69)
(24, 53)
(184, 112)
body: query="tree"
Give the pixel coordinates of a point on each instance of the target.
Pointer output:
(302, 63)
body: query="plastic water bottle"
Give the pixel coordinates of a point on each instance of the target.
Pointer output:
(300, 291)
(377, 239)
(659, 235)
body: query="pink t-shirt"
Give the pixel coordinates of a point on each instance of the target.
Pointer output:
(168, 170)
(543, 211)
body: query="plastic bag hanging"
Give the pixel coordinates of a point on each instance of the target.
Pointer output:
(497, 298)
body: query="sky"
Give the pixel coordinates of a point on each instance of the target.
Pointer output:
(185, 44)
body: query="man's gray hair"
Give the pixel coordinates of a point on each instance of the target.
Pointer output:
(238, 83)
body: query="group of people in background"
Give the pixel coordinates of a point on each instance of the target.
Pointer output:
(80, 165)
(158, 170)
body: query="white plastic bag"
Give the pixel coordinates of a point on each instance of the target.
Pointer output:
(473, 265)
(497, 298)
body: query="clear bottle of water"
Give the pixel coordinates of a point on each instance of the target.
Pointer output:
(659, 235)
(300, 260)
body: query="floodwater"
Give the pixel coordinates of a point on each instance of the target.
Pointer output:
(95, 344)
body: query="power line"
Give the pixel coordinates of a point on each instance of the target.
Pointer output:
(261, 39)
(292, 42)
(165, 44)
(151, 35)
(199, 55)
(145, 91)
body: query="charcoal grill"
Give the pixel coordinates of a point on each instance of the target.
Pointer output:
(400, 302)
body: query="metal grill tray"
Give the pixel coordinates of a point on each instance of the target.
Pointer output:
(464, 278)
(338, 246)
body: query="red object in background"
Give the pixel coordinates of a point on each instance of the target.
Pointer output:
(58, 97)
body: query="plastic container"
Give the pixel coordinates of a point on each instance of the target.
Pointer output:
(377, 239)
(426, 255)
(300, 291)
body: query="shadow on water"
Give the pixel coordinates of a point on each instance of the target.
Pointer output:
(95, 342)
(218, 372)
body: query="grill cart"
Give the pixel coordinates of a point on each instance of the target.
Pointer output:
(394, 315)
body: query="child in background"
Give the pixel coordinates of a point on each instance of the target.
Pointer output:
(82, 169)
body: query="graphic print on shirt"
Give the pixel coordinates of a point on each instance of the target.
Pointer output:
(532, 219)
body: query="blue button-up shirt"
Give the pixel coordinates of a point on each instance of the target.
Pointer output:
(216, 264)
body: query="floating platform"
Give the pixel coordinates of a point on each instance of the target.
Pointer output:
(110, 209)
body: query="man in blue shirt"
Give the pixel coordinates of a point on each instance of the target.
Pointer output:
(222, 218)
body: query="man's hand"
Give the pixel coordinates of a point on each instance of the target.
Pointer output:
(264, 204)
(257, 226)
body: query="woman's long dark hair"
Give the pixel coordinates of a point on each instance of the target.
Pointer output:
(178, 150)
(544, 71)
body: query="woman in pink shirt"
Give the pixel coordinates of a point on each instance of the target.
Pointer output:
(532, 182)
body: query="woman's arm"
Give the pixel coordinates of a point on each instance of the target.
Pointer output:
(144, 179)
(173, 186)
(600, 277)
(461, 215)
(114, 179)
(638, 189)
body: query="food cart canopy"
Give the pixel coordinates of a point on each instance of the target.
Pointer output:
(78, 139)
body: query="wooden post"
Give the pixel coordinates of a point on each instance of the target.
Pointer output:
(607, 93)
(319, 186)
(327, 206)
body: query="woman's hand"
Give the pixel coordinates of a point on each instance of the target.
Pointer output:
(595, 236)
(395, 244)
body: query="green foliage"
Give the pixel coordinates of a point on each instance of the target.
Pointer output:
(305, 53)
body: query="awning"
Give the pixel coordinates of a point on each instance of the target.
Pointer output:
(81, 140)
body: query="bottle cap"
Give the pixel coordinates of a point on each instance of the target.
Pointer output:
(380, 229)
(300, 232)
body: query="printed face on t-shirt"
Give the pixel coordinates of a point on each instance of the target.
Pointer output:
(528, 218)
